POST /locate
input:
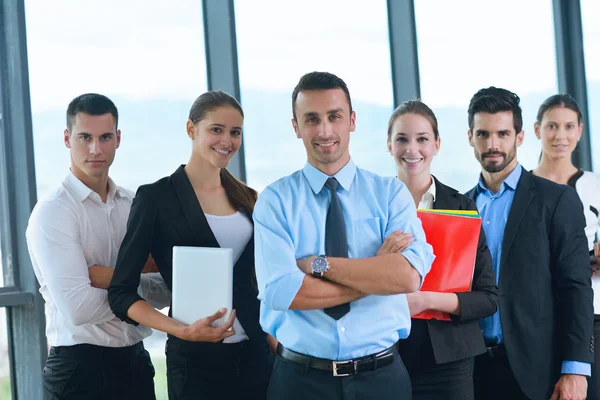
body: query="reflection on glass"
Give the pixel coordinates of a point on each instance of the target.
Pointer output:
(148, 57)
(5, 392)
(460, 55)
(590, 9)
(276, 48)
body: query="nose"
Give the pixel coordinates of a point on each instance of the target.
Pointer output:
(326, 128)
(493, 143)
(95, 148)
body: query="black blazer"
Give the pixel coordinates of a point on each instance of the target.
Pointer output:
(546, 297)
(166, 214)
(460, 338)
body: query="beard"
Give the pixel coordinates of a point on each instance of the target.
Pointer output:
(507, 158)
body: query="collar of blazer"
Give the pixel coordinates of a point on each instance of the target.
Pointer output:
(523, 195)
(444, 196)
(192, 209)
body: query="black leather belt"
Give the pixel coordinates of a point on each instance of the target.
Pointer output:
(341, 368)
(497, 351)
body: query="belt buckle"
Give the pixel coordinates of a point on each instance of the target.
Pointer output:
(344, 363)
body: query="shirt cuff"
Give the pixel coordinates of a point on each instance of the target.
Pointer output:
(420, 261)
(280, 294)
(576, 368)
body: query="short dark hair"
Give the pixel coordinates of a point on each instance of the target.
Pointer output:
(559, 100)
(493, 100)
(416, 107)
(92, 104)
(210, 101)
(319, 81)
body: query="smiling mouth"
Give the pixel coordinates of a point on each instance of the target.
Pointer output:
(326, 145)
(221, 151)
(412, 161)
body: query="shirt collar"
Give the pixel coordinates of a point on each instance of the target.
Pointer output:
(431, 190)
(82, 192)
(511, 181)
(316, 179)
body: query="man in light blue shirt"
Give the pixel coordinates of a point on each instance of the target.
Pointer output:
(321, 354)
(540, 341)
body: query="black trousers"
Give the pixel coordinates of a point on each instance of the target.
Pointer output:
(449, 381)
(218, 370)
(291, 381)
(89, 372)
(494, 380)
(594, 381)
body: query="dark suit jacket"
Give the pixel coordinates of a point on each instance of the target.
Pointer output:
(166, 214)
(546, 297)
(460, 338)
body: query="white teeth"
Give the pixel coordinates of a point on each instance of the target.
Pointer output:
(222, 151)
(412, 161)
(326, 144)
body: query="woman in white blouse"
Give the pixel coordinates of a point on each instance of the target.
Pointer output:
(559, 127)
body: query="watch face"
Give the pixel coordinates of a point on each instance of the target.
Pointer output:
(319, 265)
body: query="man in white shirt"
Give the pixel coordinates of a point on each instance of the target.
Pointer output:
(74, 236)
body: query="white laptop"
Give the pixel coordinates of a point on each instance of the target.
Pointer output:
(202, 283)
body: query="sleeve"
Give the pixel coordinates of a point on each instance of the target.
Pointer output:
(403, 216)
(277, 274)
(577, 368)
(155, 291)
(54, 241)
(482, 300)
(133, 254)
(569, 252)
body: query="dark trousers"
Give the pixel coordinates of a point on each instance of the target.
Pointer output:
(594, 381)
(89, 372)
(218, 370)
(291, 381)
(449, 381)
(494, 380)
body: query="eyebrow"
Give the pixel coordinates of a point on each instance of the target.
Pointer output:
(223, 126)
(316, 114)
(418, 134)
(568, 122)
(87, 133)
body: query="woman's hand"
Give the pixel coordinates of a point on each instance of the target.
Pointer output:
(203, 330)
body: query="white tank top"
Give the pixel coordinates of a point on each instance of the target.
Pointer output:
(232, 232)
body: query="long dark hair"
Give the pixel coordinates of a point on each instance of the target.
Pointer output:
(240, 196)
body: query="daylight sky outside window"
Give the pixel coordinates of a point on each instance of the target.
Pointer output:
(590, 9)
(147, 56)
(467, 45)
(275, 48)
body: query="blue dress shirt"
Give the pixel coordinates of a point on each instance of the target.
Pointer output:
(290, 225)
(494, 209)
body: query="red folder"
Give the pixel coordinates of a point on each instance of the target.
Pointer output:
(454, 239)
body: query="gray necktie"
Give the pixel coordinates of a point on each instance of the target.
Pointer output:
(336, 242)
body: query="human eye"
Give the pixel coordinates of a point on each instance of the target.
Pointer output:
(401, 139)
(106, 137)
(423, 139)
(236, 133)
(215, 130)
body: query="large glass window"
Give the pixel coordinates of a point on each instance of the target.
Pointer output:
(590, 9)
(148, 57)
(277, 47)
(483, 45)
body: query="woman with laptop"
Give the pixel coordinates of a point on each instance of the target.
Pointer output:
(439, 354)
(559, 126)
(200, 205)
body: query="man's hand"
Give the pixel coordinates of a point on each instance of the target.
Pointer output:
(305, 264)
(100, 276)
(150, 266)
(570, 387)
(396, 242)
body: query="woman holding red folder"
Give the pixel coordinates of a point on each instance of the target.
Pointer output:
(439, 354)
(559, 126)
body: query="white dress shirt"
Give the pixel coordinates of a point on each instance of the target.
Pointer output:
(69, 231)
(428, 198)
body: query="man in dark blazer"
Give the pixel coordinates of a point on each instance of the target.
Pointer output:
(539, 343)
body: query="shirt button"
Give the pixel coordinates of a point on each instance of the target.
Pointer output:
(343, 329)
(487, 222)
